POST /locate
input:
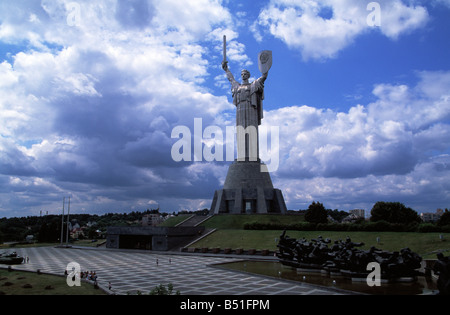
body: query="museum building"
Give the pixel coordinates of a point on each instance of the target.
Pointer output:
(151, 237)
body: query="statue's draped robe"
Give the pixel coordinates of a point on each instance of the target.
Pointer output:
(248, 99)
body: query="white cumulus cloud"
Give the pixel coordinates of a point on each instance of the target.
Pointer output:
(320, 29)
(395, 145)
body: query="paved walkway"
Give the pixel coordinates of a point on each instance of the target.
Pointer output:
(131, 271)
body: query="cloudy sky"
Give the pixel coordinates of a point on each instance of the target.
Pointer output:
(90, 92)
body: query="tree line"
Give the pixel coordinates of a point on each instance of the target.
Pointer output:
(48, 228)
(385, 216)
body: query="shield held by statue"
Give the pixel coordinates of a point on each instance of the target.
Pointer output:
(265, 61)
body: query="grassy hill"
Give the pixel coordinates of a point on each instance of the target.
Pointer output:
(12, 283)
(231, 234)
(237, 222)
(173, 221)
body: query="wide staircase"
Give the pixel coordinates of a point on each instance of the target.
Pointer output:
(194, 220)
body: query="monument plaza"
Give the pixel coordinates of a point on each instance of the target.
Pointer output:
(130, 271)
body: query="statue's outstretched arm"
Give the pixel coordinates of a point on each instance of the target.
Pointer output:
(264, 77)
(230, 76)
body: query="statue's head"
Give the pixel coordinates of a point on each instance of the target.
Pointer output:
(245, 74)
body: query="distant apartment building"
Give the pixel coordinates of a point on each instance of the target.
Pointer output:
(354, 216)
(359, 213)
(152, 219)
(431, 217)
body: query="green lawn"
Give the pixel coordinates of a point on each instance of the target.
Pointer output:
(173, 221)
(12, 283)
(421, 243)
(238, 221)
(6, 247)
(86, 243)
(231, 234)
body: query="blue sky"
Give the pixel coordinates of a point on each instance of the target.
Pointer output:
(90, 92)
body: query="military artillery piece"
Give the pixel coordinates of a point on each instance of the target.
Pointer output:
(10, 259)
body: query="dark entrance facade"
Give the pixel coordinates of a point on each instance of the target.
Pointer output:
(136, 241)
(151, 238)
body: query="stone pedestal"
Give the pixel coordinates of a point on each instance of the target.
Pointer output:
(248, 189)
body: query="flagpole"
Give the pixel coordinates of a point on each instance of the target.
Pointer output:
(62, 221)
(67, 235)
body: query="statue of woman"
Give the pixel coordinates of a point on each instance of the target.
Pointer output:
(247, 97)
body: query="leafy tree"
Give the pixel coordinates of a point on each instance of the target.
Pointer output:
(48, 228)
(337, 215)
(444, 219)
(49, 232)
(316, 213)
(393, 212)
(92, 233)
(162, 290)
(43, 233)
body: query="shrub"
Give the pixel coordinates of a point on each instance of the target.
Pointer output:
(332, 227)
(301, 226)
(379, 226)
(304, 226)
(162, 290)
(412, 227)
(264, 226)
(322, 227)
(354, 227)
(444, 219)
(428, 227)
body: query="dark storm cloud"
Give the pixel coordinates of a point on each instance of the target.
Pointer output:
(13, 161)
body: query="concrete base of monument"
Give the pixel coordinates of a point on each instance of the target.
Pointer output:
(248, 189)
